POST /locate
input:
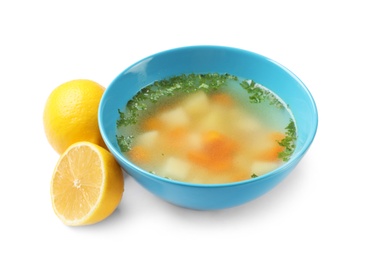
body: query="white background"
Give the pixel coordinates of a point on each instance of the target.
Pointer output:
(328, 208)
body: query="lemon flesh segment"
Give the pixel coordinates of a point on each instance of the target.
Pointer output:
(87, 184)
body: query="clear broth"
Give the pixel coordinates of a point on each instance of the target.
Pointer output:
(209, 137)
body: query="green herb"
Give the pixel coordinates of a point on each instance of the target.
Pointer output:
(289, 142)
(258, 94)
(124, 120)
(185, 83)
(124, 142)
(254, 175)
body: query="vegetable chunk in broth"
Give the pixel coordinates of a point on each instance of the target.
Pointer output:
(207, 129)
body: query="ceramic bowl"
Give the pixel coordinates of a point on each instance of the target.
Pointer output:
(206, 59)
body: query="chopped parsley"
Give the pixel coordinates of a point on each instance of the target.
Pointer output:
(254, 175)
(124, 142)
(258, 94)
(289, 142)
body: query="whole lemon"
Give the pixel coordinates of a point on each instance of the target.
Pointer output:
(71, 114)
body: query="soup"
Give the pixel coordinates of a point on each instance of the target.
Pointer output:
(206, 128)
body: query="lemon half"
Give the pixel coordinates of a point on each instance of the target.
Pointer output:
(87, 185)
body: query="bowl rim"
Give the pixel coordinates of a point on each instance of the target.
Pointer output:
(288, 164)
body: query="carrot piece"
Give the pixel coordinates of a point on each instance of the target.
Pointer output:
(217, 152)
(219, 166)
(151, 123)
(204, 159)
(218, 146)
(199, 157)
(139, 154)
(277, 136)
(222, 99)
(175, 138)
(271, 154)
(178, 132)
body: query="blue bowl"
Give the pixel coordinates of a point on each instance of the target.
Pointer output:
(206, 59)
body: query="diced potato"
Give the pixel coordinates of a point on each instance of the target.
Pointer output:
(194, 141)
(147, 139)
(199, 175)
(214, 119)
(245, 123)
(175, 168)
(175, 117)
(264, 146)
(262, 167)
(242, 161)
(258, 142)
(196, 104)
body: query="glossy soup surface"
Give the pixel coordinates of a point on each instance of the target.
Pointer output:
(206, 134)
